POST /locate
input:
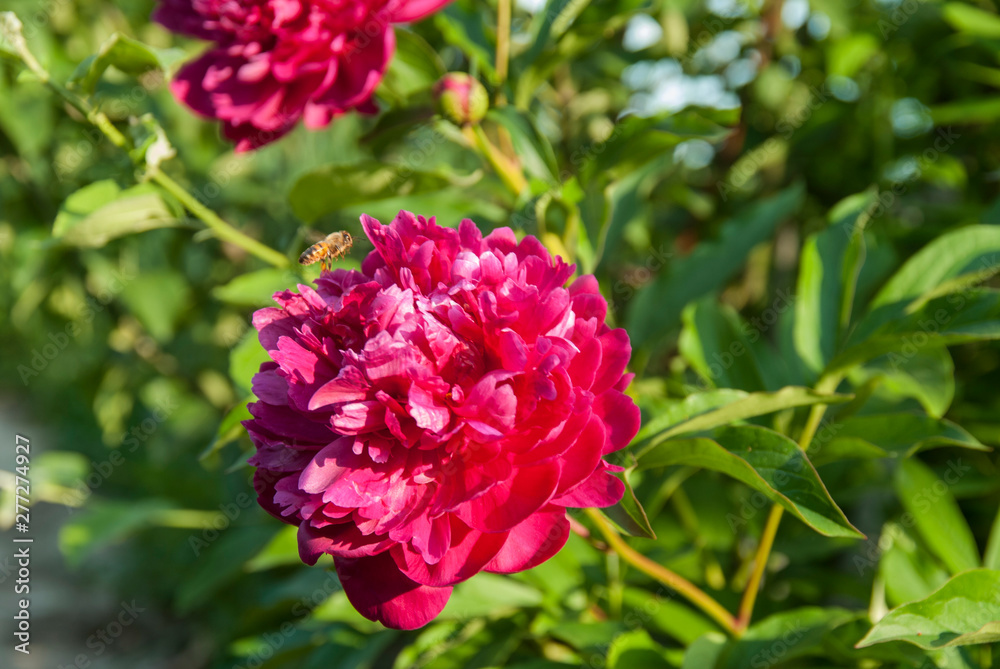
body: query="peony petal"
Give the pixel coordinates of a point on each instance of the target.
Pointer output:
(427, 411)
(599, 491)
(532, 542)
(621, 415)
(470, 551)
(580, 461)
(510, 502)
(405, 11)
(344, 540)
(360, 72)
(380, 591)
(614, 357)
(584, 366)
(349, 386)
(269, 386)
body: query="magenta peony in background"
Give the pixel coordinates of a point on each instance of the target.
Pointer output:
(433, 415)
(276, 61)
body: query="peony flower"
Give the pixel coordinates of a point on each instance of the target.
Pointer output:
(276, 61)
(435, 414)
(461, 98)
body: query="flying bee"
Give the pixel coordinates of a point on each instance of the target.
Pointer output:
(334, 245)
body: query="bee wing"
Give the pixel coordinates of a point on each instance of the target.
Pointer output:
(312, 235)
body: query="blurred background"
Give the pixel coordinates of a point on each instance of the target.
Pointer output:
(701, 142)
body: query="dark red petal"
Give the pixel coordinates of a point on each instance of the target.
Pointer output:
(360, 72)
(620, 415)
(467, 556)
(508, 503)
(343, 540)
(380, 591)
(585, 365)
(599, 491)
(264, 482)
(615, 355)
(532, 542)
(404, 11)
(580, 461)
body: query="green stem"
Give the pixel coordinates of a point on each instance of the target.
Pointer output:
(503, 42)
(675, 582)
(826, 384)
(759, 565)
(222, 230)
(508, 172)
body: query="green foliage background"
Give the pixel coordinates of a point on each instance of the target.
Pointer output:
(773, 243)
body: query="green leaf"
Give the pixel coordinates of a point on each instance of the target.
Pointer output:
(971, 20)
(636, 649)
(754, 404)
(561, 12)
(899, 435)
(851, 53)
(103, 523)
(221, 561)
(283, 549)
(973, 315)
(659, 612)
(629, 515)
(415, 66)
(586, 635)
(126, 54)
(465, 29)
(245, 360)
(667, 415)
(531, 147)
(82, 203)
(254, 289)
(100, 212)
(717, 344)
(910, 572)
(964, 611)
(488, 595)
(656, 308)
(623, 202)
(230, 429)
(936, 513)
(927, 376)
(782, 637)
(828, 275)
(636, 140)
(969, 249)
(158, 300)
(767, 462)
(336, 187)
(967, 111)
(704, 653)
(991, 558)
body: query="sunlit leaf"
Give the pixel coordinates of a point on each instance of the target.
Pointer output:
(126, 54)
(335, 187)
(767, 462)
(754, 404)
(102, 211)
(656, 309)
(964, 611)
(936, 513)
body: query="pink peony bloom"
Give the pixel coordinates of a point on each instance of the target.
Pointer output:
(276, 61)
(434, 414)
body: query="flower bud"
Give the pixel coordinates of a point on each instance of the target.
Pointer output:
(461, 98)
